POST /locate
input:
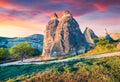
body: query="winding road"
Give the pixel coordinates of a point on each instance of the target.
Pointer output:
(34, 61)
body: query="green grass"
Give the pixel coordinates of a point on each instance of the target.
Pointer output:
(103, 46)
(21, 70)
(93, 70)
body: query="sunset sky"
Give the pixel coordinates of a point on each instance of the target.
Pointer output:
(19, 18)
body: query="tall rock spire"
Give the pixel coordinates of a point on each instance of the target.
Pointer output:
(69, 39)
(106, 33)
(90, 36)
(107, 36)
(49, 35)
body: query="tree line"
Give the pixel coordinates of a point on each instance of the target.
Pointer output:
(21, 50)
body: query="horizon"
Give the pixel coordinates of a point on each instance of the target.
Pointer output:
(21, 18)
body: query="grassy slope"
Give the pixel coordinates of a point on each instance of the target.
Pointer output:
(94, 51)
(94, 70)
(103, 46)
(102, 69)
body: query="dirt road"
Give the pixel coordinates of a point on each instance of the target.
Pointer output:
(34, 61)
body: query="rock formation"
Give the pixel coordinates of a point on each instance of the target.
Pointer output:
(90, 36)
(69, 39)
(115, 36)
(49, 35)
(107, 36)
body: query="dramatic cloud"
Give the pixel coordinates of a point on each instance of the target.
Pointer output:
(45, 6)
(12, 6)
(34, 14)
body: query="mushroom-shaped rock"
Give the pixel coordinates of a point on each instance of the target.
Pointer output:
(49, 35)
(69, 39)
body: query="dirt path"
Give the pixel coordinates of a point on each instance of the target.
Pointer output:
(36, 61)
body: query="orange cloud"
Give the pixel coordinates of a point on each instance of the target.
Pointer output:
(8, 19)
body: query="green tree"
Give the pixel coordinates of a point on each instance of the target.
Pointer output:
(22, 50)
(101, 41)
(3, 53)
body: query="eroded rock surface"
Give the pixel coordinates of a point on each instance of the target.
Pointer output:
(90, 36)
(69, 39)
(49, 35)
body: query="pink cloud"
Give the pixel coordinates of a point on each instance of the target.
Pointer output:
(8, 5)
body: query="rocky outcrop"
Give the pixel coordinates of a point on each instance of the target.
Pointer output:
(112, 36)
(35, 40)
(107, 36)
(69, 39)
(90, 36)
(115, 36)
(49, 35)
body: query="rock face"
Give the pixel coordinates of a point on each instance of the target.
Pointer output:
(49, 35)
(115, 36)
(35, 40)
(107, 36)
(90, 36)
(69, 39)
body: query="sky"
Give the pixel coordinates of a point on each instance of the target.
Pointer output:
(20, 18)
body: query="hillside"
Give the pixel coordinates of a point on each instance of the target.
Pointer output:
(36, 41)
(99, 69)
(102, 69)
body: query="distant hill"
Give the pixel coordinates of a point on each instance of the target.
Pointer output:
(36, 41)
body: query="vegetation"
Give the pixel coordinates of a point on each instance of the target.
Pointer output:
(93, 70)
(22, 50)
(3, 53)
(102, 46)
